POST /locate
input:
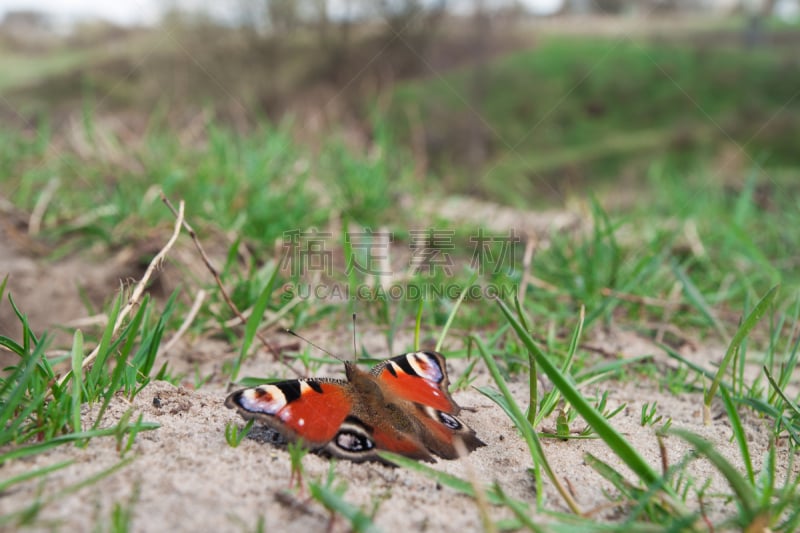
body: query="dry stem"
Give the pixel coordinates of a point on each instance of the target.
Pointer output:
(198, 302)
(138, 290)
(215, 273)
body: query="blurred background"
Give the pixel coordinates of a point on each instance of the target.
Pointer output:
(514, 101)
(673, 126)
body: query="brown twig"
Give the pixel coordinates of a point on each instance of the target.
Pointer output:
(542, 284)
(673, 330)
(271, 320)
(35, 222)
(94, 320)
(588, 347)
(602, 508)
(664, 456)
(645, 300)
(214, 272)
(669, 312)
(138, 290)
(198, 302)
(570, 487)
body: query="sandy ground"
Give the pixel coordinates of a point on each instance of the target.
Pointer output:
(188, 479)
(185, 477)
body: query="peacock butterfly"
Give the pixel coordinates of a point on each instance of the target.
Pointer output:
(401, 406)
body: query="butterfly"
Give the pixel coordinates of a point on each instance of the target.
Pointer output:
(402, 405)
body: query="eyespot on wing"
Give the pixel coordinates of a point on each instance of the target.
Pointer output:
(310, 410)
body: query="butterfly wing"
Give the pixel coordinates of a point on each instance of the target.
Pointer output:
(309, 409)
(324, 416)
(402, 406)
(360, 441)
(421, 378)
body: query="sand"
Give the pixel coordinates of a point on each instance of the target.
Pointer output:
(185, 477)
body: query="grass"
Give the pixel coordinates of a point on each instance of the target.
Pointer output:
(36, 405)
(695, 260)
(594, 269)
(593, 108)
(39, 411)
(331, 498)
(656, 498)
(22, 71)
(271, 186)
(234, 435)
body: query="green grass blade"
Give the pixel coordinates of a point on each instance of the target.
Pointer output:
(12, 375)
(11, 403)
(533, 376)
(452, 316)
(39, 447)
(793, 406)
(253, 322)
(697, 299)
(12, 345)
(767, 478)
(521, 421)
(347, 250)
(691, 364)
(95, 478)
(103, 349)
(746, 496)
(359, 521)
(792, 523)
(787, 370)
(25, 476)
(739, 434)
(520, 510)
(145, 358)
(763, 407)
(611, 368)
(28, 337)
(77, 380)
(31, 510)
(448, 480)
(626, 452)
(744, 329)
(3, 287)
(611, 475)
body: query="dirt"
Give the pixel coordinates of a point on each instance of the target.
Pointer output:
(185, 477)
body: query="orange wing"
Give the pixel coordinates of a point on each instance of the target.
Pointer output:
(311, 410)
(419, 377)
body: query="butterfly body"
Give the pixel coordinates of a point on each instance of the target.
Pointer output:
(401, 406)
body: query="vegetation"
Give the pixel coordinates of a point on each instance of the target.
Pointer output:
(702, 250)
(577, 113)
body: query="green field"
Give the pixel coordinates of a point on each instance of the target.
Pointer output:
(591, 109)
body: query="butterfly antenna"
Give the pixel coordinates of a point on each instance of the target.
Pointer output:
(355, 351)
(318, 347)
